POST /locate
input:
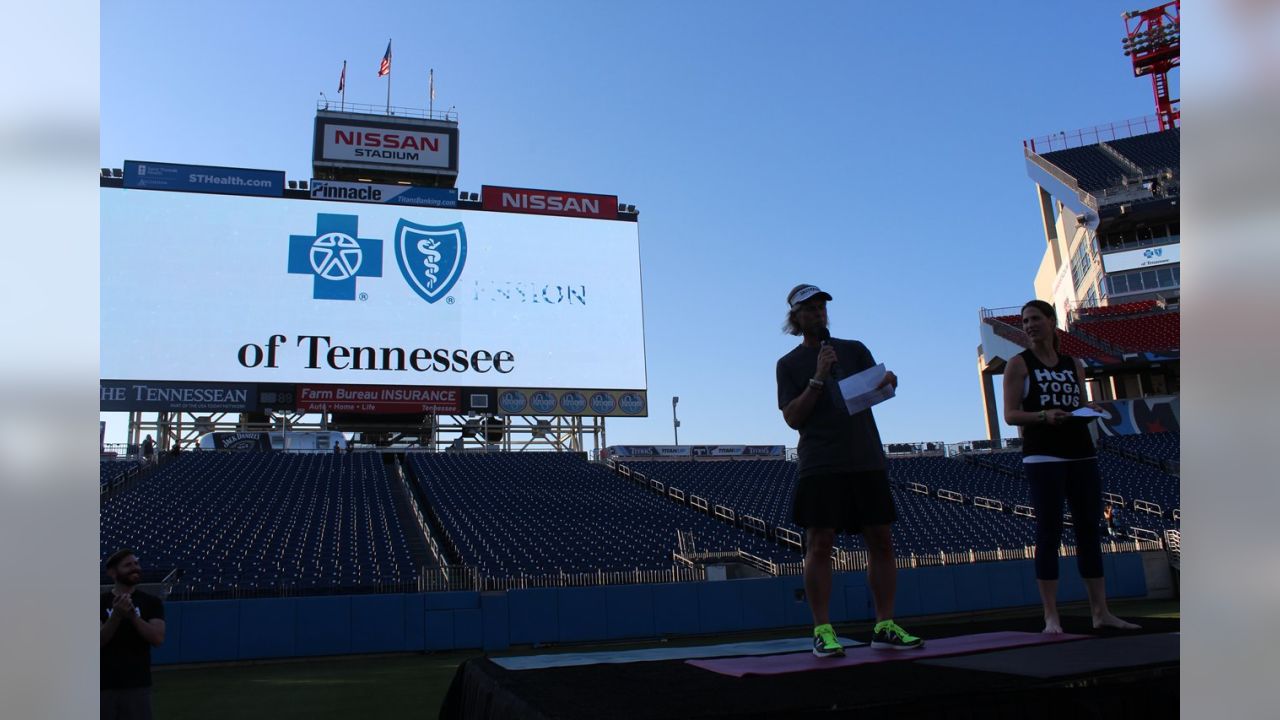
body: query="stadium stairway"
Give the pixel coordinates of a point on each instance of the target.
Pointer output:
(413, 531)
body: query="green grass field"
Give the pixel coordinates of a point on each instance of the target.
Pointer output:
(414, 686)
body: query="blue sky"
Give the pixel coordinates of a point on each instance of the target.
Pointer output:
(872, 150)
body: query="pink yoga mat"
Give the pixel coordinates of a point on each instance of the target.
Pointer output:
(801, 662)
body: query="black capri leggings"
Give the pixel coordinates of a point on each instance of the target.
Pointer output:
(1080, 484)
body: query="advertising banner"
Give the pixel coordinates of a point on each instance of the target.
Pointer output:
(385, 144)
(1142, 258)
(242, 441)
(162, 396)
(688, 451)
(375, 193)
(203, 178)
(522, 401)
(549, 202)
(379, 399)
(295, 291)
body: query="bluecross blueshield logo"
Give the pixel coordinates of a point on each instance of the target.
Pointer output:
(1153, 253)
(336, 256)
(431, 257)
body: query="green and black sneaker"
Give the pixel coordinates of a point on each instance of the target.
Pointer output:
(825, 643)
(888, 636)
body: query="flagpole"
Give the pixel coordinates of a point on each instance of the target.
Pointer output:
(344, 86)
(431, 93)
(388, 76)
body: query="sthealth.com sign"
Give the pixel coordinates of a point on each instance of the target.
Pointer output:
(1142, 258)
(203, 178)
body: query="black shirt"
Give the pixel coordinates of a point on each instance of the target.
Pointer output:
(126, 658)
(1055, 387)
(831, 440)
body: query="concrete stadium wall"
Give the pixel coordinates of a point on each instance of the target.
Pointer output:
(225, 630)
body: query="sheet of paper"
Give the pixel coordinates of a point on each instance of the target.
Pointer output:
(859, 390)
(1088, 412)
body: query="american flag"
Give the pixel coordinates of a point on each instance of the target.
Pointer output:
(385, 67)
(342, 79)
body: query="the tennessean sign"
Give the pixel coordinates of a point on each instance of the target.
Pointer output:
(549, 202)
(385, 145)
(160, 396)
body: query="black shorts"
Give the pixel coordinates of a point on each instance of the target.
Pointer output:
(846, 502)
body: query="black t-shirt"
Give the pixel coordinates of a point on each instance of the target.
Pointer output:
(1055, 387)
(831, 440)
(126, 658)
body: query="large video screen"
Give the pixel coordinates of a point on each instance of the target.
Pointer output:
(245, 289)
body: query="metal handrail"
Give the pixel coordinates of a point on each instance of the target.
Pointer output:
(387, 110)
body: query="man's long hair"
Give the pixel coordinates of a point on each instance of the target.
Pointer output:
(789, 325)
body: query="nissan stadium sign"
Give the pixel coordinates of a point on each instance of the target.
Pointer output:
(405, 144)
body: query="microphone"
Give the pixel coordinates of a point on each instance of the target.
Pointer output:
(825, 338)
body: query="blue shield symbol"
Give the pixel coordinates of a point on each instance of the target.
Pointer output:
(431, 256)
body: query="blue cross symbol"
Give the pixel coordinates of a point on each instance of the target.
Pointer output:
(335, 256)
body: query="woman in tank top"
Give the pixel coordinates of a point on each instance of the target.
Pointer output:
(1042, 387)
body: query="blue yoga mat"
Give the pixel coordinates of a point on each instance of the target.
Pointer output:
(762, 647)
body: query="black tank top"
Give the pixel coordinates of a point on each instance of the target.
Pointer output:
(1054, 387)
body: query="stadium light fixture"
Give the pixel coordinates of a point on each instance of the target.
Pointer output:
(303, 185)
(106, 172)
(117, 172)
(293, 184)
(675, 423)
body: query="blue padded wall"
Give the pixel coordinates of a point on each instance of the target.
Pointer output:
(220, 630)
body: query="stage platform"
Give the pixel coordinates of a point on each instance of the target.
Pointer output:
(990, 669)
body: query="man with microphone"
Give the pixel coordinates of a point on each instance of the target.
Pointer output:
(843, 478)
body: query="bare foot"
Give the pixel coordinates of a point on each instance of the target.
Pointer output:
(1111, 621)
(1052, 627)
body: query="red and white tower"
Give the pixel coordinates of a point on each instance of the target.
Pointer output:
(1152, 41)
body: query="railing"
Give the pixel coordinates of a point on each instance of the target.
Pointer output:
(396, 110)
(1024, 511)
(1147, 507)
(988, 503)
(755, 523)
(684, 568)
(725, 513)
(675, 494)
(916, 487)
(1093, 135)
(1113, 498)
(788, 536)
(757, 562)
(1138, 533)
(418, 515)
(1177, 514)
(700, 503)
(951, 495)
